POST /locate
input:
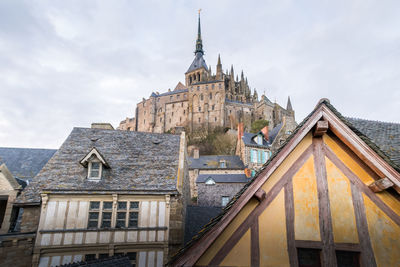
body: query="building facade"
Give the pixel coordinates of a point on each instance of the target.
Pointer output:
(102, 195)
(328, 197)
(19, 221)
(207, 99)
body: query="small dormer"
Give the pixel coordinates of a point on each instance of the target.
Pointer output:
(259, 139)
(94, 162)
(210, 181)
(222, 163)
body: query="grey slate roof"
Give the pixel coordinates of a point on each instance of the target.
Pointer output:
(223, 178)
(198, 62)
(386, 135)
(196, 218)
(212, 162)
(25, 163)
(274, 132)
(248, 140)
(139, 162)
(174, 92)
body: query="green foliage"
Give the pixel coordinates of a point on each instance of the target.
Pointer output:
(257, 125)
(215, 141)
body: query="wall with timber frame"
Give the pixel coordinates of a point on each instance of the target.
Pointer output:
(317, 198)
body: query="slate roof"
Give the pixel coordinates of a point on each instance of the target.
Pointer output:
(25, 163)
(223, 178)
(363, 136)
(196, 218)
(386, 135)
(237, 102)
(177, 91)
(107, 262)
(274, 132)
(212, 162)
(139, 162)
(248, 140)
(198, 62)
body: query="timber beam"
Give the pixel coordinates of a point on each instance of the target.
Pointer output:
(321, 128)
(380, 185)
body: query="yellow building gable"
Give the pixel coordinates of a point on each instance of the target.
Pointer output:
(313, 203)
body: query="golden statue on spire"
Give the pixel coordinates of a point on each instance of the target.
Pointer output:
(199, 11)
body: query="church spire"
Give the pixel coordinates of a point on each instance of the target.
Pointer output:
(289, 105)
(199, 43)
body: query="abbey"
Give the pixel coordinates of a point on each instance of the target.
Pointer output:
(206, 100)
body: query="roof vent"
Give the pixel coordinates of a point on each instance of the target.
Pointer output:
(156, 141)
(102, 125)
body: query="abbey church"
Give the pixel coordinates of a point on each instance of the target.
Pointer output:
(205, 101)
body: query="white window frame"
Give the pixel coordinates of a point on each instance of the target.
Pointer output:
(210, 181)
(94, 178)
(225, 199)
(259, 139)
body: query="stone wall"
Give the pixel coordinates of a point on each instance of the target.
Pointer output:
(176, 224)
(210, 195)
(30, 219)
(16, 250)
(194, 173)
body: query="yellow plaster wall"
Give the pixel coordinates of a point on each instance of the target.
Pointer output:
(227, 233)
(274, 177)
(348, 161)
(384, 235)
(305, 197)
(364, 176)
(240, 255)
(341, 204)
(272, 234)
(287, 163)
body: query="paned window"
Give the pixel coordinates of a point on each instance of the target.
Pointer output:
(309, 257)
(253, 156)
(347, 258)
(133, 214)
(212, 86)
(121, 214)
(224, 201)
(106, 214)
(95, 169)
(212, 107)
(90, 257)
(94, 210)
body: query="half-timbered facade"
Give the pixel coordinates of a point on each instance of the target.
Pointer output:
(109, 193)
(328, 197)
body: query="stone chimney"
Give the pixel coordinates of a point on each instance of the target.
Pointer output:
(240, 130)
(102, 125)
(265, 132)
(196, 153)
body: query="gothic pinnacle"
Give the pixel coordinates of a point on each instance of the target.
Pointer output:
(199, 43)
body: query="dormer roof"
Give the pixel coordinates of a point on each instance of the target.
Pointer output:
(93, 153)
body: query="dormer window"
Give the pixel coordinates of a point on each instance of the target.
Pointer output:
(95, 169)
(222, 164)
(259, 139)
(94, 162)
(210, 181)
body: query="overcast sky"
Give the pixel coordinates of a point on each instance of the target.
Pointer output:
(70, 63)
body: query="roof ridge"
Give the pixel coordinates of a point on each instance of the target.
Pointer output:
(387, 122)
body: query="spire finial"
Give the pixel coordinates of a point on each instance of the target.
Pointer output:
(219, 60)
(199, 43)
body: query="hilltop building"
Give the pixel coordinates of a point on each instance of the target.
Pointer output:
(206, 100)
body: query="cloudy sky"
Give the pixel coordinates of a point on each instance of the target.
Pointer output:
(70, 63)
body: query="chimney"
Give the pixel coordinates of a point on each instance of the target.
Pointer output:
(240, 130)
(102, 125)
(196, 153)
(265, 132)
